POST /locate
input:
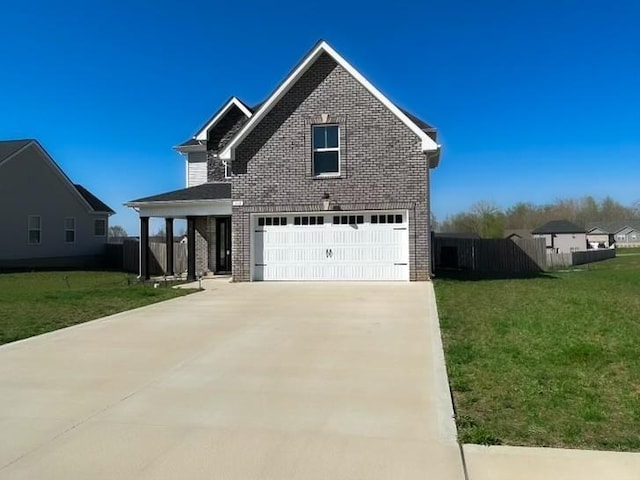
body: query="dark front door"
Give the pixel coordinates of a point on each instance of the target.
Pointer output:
(223, 244)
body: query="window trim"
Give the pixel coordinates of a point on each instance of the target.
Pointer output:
(95, 223)
(29, 230)
(69, 230)
(326, 149)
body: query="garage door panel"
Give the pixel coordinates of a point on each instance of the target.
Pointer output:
(329, 249)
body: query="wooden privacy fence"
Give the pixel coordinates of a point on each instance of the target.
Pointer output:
(556, 261)
(518, 256)
(126, 256)
(490, 255)
(589, 256)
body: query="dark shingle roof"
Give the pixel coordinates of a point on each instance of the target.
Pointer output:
(206, 191)
(559, 226)
(424, 126)
(96, 204)
(190, 143)
(9, 147)
(614, 227)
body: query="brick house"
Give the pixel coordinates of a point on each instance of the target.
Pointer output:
(325, 180)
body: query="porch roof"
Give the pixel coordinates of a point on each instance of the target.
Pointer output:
(202, 200)
(206, 191)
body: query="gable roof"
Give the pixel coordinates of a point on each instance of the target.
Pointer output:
(428, 144)
(96, 204)
(216, 117)
(518, 232)
(10, 148)
(205, 191)
(559, 226)
(613, 227)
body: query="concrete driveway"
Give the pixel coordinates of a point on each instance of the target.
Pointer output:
(242, 381)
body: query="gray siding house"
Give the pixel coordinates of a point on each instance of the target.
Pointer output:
(327, 179)
(621, 234)
(562, 236)
(47, 221)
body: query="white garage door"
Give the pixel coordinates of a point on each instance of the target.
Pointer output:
(331, 246)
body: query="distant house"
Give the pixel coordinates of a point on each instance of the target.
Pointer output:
(47, 220)
(518, 234)
(621, 234)
(628, 236)
(602, 234)
(562, 236)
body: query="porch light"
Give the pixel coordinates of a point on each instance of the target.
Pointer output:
(326, 201)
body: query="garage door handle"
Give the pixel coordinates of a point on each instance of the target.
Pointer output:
(328, 253)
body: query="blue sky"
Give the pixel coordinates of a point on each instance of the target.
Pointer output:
(534, 101)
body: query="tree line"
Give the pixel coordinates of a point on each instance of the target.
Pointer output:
(489, 221)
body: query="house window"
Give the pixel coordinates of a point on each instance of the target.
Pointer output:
(69, 230)
(34, 230)
(305, 221)
(620, 237)
(326, 150)
(348, 220)
(228, 173)
(100, 227)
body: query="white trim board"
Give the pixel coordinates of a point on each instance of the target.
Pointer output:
(428, 144)
(202, 134)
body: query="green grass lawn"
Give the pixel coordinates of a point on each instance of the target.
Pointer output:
(546, 361)
(38, 302)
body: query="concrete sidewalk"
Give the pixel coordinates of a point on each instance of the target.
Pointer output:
(525, 463)
(270, 381)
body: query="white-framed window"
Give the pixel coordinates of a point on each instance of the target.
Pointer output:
(100, 227)
(620, 237)
(228, 172)
(69, 230)
(34, 230)
(633, 236)
(326, 150)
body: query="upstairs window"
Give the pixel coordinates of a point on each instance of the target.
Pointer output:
(326, 150)
(228, 173)
(69, 230)
(34, 230)
(100, 227)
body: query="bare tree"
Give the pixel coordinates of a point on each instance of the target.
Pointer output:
(117, 231)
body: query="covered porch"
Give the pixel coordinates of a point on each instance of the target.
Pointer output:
(207, 211)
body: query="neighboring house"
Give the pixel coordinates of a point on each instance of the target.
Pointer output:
(628, 236)
(518, 234)
(562, 236)
(47, 221)
(621, 234)
(325, 180)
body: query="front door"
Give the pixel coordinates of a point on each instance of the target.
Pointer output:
(223, 244)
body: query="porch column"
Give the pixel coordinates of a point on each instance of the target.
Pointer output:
(191, 248)
(144, 248)
(168, 228)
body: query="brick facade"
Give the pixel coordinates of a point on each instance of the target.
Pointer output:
(382, 165)
(204, 239)
(218, 137)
